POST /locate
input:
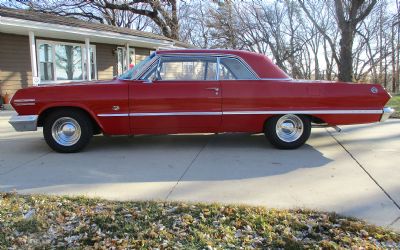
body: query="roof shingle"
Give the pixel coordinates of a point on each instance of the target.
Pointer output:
(36, 16)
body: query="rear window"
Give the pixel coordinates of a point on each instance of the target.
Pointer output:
(233, 69)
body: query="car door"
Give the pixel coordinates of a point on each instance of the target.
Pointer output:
(179, 94)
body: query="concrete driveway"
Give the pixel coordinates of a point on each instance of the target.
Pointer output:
(355, 172)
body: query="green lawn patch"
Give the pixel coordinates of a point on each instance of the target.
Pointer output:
(395, 103)
(39, 222)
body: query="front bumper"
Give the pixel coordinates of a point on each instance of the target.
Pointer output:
(24, 122)
(387, 112)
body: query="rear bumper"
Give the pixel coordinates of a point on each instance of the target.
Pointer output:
(387, 112)
(24, 122)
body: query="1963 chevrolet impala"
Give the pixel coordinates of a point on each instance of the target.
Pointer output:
(196, 91)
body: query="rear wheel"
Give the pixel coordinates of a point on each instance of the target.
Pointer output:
(67, 131)
(288, 131)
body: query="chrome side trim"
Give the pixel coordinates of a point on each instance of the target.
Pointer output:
(387, 112)
(175, 114)
(112, 115)
(24, 122)
(274, 112)
(25, 104)
(370, 111)
(24, 100)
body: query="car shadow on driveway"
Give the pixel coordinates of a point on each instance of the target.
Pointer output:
(163, 158)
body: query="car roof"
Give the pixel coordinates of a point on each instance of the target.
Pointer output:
(261, 64)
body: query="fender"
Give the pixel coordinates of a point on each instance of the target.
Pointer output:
(71, 105)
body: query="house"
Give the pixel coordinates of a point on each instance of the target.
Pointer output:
(38, 48)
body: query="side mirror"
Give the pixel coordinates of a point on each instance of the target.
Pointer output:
(148, 81)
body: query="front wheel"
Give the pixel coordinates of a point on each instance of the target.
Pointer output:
(67, 131)
(288, 131)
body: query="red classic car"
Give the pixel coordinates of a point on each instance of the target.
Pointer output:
(196, 91)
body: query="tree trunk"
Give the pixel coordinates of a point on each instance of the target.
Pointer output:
(174, 21)
(346, 57)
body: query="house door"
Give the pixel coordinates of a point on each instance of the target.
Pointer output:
(123, 64)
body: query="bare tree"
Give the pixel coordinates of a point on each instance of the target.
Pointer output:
(194, 28)
(125, 13)
(224, 27)
(164, 13)
(349, 13)
(349, 40)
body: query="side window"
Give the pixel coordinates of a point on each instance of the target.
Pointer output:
(233, 69)
(181, 69)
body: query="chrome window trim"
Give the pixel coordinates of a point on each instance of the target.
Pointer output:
(218, 63)
(207, 55)
(277, 79)
(147, 71)
(218, 55)
(142, 77)
(150, 64)
(250, 112)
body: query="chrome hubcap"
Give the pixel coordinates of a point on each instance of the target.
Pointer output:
(289, 128)
(66, 131)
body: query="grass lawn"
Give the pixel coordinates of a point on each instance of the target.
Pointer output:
(39, 221)
(395, 103)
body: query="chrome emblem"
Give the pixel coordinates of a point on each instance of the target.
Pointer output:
(115, 108)
(374, 90)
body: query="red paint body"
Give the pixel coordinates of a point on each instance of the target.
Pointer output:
(135, 96)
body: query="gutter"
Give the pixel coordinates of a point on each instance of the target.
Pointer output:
(15, 22)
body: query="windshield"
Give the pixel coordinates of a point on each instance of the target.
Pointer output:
(133, 72)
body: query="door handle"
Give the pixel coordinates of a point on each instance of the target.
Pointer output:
(215, 89)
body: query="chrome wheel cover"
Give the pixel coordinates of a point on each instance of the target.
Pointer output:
(289, 128)
(66, 131)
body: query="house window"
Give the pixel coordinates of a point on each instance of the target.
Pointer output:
(46, 62)
(59, 61)
(68, 62)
